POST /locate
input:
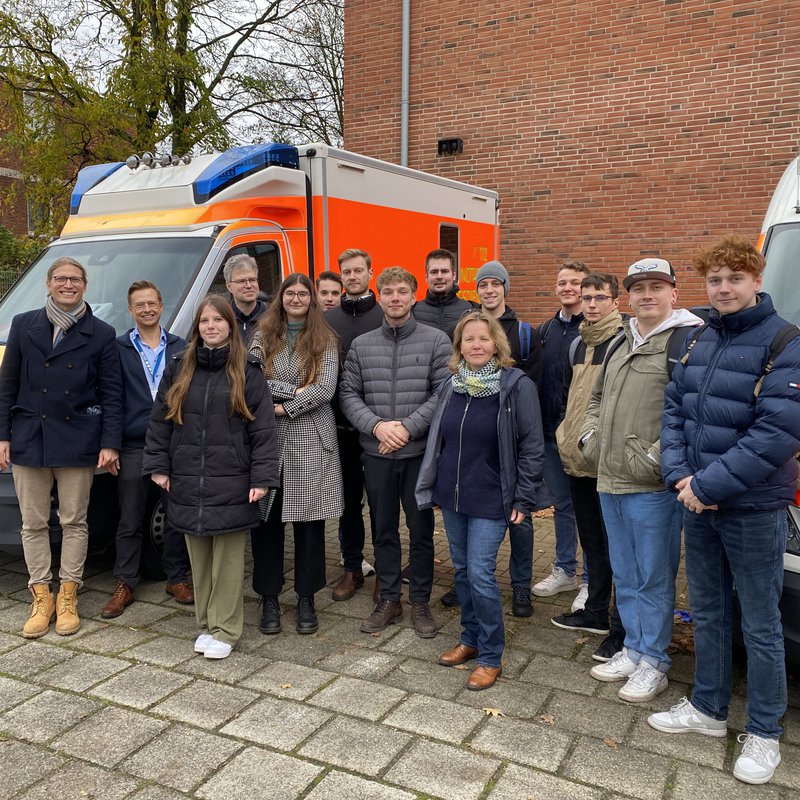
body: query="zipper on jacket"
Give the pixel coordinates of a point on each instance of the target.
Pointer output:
(701, 395)
(460, 440)
(394, 374)
(202, 480)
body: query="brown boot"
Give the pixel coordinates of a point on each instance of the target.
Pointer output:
(67, 621)
(43, 612)
(483, 678)
(421, 618)
(347, 585)
(459, 654)
(120, 600)
(182, 592)
(386, 613)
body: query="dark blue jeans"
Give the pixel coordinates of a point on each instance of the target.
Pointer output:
(474, 543)
(745, 549)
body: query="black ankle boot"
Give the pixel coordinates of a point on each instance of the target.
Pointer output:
(270, 614)
(306, 615)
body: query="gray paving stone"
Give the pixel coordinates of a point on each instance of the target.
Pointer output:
(154, 792)
(90, 602)
(341, 631)
(429, 716)
(113, 640)
(8, 642)
(518, 783)
(703, 750)
(625, 770)
(13, 617)
(428, 677)
(45, 716)
(560, 674)
(359, 662)
(24, 764)
(13, 692)
(358, 607)
(182, 625)
(358, 698)
(140, 686)
(164, 651)
(288, 680)
(443, 771)
(598, 718)
(256, 774)
(82, 671)
(205, 704)
(11, 582)
(788, 773)
(290, 646)
(543, 637)
(33, 657)
(336, 785)
(140, 615)
(229, 670)
(674, 692)
(407, 643)
(693, 782)
(364, 747)
(109, 736)
(277, 723)
(514, 698)
(536, 745)
(181, 757)
(78, 781)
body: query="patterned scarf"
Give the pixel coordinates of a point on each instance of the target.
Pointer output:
(62, 320)
(482, 383)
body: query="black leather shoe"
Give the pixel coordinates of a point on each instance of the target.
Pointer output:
(270, 614)
(450, 599)
(307, 621)
(521, 605)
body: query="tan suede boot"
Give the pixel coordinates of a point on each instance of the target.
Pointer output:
(43, 612)
(67, 621)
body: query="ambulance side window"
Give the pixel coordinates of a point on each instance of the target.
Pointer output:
(267, 257)
(448, 240)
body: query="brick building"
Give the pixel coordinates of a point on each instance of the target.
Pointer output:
(612, 130)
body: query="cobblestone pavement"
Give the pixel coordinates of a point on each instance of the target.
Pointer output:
(125, 709)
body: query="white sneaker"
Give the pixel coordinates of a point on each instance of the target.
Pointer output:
(579, 603)
(217, 649)
(619, 668)
(758, 759)
(366, 568)
(685, 718)
(202, 641)
(645, 683)
(557, 581)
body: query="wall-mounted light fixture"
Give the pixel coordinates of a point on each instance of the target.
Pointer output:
(450, 147)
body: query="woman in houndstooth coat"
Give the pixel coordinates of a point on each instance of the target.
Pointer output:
(300, 359)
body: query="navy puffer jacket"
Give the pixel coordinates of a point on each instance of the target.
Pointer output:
(739, 447)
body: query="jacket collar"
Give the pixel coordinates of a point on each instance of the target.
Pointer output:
(401, 332)
(359, 306)
(442, 299)
(41, 334)
(213, 360)
(597, 332)
(744, 319)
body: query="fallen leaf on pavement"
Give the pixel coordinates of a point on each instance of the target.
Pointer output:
(286, 686)
(548, 719)
(462, 666)
(493, 712)
(612, 743)
(582, 640)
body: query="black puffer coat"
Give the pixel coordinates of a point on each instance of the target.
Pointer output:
(213, 459)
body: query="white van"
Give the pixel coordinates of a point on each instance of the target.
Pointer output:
(780, 243)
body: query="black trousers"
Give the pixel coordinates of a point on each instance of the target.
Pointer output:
(594, 541)
(132, 489)
(390, 484)
(267, 542)
(351, 523)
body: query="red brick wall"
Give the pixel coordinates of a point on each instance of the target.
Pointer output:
(612, 130)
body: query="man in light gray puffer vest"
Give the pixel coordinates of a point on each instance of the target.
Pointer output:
(388, 393)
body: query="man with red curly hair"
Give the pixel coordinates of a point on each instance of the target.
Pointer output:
(731, 431)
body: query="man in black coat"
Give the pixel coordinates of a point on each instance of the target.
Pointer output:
(357, 313)
(60, 419)
(441, 308)
(144, 351)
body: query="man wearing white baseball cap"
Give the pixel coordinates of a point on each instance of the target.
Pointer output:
(621, 439)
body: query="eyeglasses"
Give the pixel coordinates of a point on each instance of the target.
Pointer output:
(298, 295)
(244, 281)
(598, 298)
(75, 280)
(143, 306)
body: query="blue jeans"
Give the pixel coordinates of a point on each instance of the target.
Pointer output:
(474, 543)
(557, 483)
(744, 548)
(644, 545)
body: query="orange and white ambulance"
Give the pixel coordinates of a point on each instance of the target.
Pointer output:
(175, 221)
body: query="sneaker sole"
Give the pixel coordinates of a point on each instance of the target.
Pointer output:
(586, 628)
(215, 657)
(552, 592)
(704, 731)
(602, 659)
(642, 698)
(610, 678)
(754, 781)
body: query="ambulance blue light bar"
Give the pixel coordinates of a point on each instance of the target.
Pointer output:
(238, 163)
(88, 178)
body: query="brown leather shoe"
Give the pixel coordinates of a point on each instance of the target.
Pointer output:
(347, 585)
(182, 592)
(385, 614)
(120, 600)
(483, 678)
(421, 618)
(459, 654)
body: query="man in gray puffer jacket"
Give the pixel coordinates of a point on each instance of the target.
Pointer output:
(388, 393)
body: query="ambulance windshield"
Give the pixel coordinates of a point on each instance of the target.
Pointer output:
(112, 265)
(782, 275)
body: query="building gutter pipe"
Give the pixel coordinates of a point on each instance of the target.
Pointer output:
(404, 82)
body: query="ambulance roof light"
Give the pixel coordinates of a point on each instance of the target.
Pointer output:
(87, 179)
(239, 162)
